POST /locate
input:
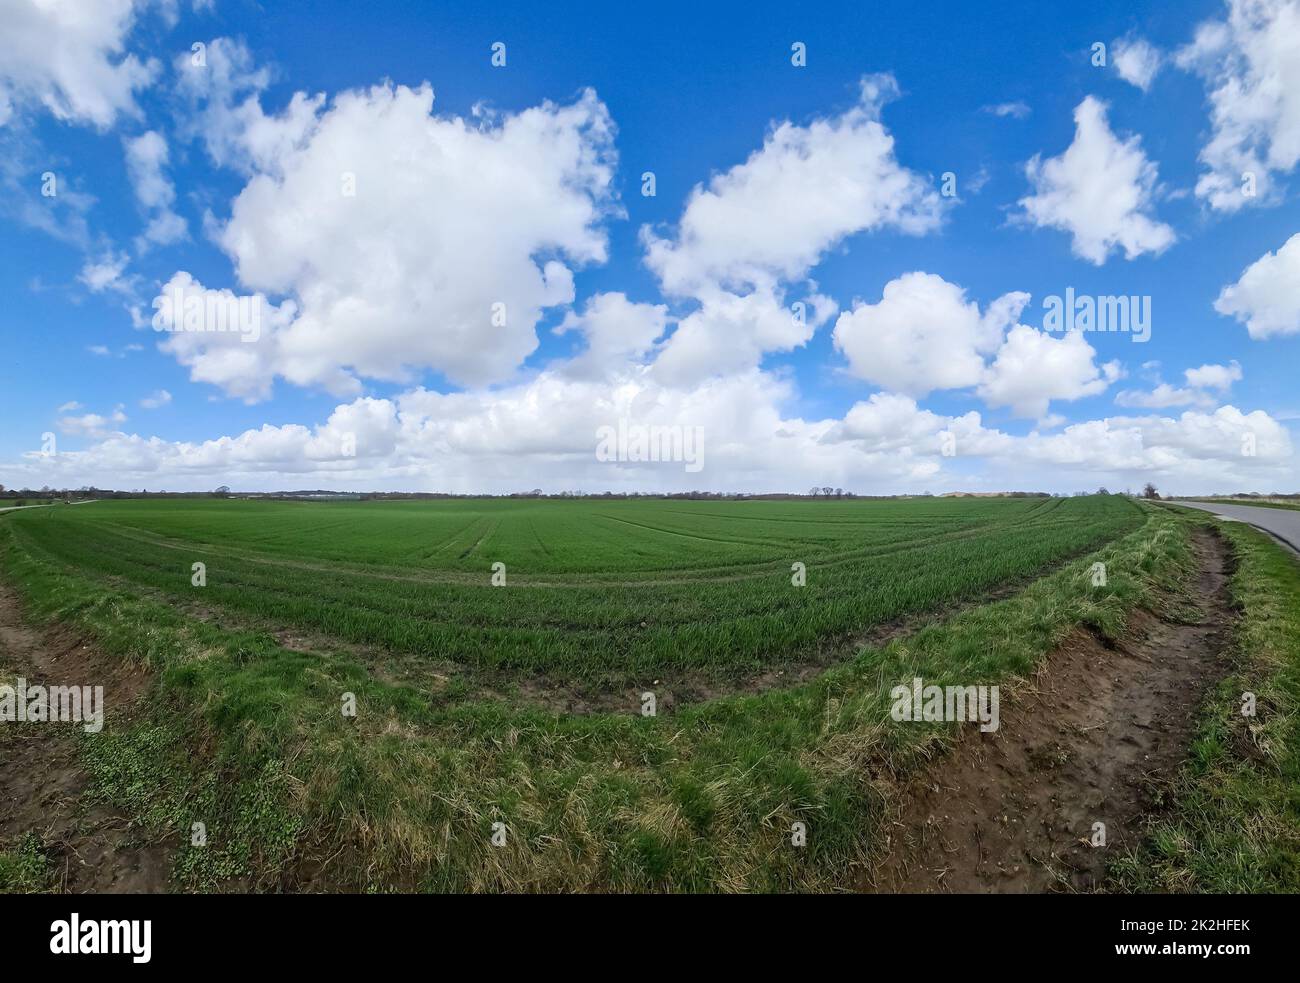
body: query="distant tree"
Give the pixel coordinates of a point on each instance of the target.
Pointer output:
(815, 491)
(826, 490)
(1150, 491)
(839, 492)
(1102, 490)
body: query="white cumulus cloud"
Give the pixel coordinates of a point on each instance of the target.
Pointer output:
(767, 222)
(1101, 191)
(1267, 296)
(1137, 61)
(406, 241)
(1217, 377)
(68, 57)
(1251, 66)
(146, 162)
(1032, 368)
(923, 335)
(807, 188)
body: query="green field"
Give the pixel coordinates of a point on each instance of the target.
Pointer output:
(393, 603)
(598, 591)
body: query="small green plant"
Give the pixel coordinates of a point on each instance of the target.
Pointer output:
(25, 869)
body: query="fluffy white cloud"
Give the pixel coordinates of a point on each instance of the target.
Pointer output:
(769, 221)
(221, 86)
(1101, 191)
(1227, 435)
(156, 399)
(617, 332)
(434, 264)
(1217, 377)
(67, 56)
(890, 422)
(730, 333)
(1251, 66)
(1032, 368)
(808, 187)
(923, 335)
(91, 424)
(107, 273)
(409, 241)
(544, 433)
(146, 156)
(1267, 297)
(228, 340)
(146, 162)
(1205, 386)
(1136, 60)
(1223, 449)
(1162, 396)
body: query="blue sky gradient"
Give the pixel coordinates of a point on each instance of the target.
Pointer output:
(693, 90)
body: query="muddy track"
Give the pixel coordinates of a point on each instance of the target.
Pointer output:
(43, 784)
(1093, 738)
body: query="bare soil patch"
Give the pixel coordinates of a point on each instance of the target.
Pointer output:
(43, 784)
(1095, 737)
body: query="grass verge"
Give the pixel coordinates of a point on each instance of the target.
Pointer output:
(1234, 825)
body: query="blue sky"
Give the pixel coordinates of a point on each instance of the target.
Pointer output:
(691, 92)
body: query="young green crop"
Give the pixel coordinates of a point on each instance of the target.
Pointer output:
(602, 591)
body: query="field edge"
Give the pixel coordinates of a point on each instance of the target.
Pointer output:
(1233, 822)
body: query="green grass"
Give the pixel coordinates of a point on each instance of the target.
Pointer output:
(619, 591)
(247, 737)
(1235, 819)
(24, 868)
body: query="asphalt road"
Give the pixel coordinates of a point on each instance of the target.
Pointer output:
(1282, 523)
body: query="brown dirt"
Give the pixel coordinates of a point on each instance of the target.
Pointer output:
(1095, 737)
(43, 785)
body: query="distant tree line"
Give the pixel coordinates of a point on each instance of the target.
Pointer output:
(820, 492)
